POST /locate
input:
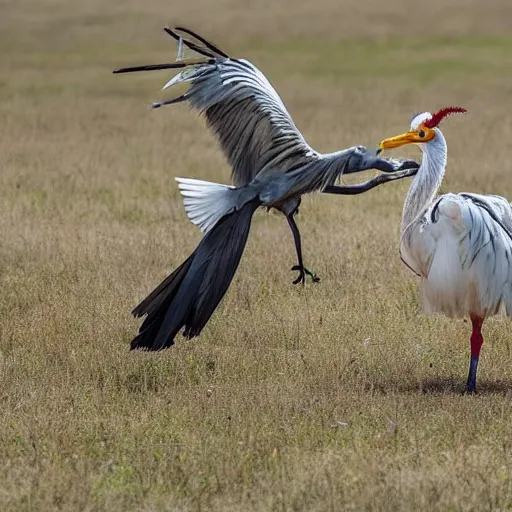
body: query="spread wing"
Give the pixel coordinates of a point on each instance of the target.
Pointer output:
(242, 109)
(255, 131)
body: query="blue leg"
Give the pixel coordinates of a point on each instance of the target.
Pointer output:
(471, 384)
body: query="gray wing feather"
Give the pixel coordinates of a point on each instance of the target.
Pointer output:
(247, 115)
(255, 130)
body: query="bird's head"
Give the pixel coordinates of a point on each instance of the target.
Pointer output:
(423, 129)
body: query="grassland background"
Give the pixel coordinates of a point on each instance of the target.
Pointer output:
(339, 396)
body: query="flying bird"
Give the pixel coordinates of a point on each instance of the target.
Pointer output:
(272, 167)
(258, 136)
(459, 244)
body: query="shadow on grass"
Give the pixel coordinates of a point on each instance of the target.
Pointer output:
(443, 386)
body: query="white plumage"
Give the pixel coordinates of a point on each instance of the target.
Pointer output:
(460, 245)
(462, 249)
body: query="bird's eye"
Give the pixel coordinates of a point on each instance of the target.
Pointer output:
(421, 133)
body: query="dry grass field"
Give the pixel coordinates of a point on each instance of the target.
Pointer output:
(338, 396)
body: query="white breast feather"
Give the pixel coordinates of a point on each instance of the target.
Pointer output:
(463, 253)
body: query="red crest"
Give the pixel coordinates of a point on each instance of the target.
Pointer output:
(441, 114)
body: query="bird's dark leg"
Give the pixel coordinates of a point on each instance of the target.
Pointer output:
(476, 344)
(298, 247)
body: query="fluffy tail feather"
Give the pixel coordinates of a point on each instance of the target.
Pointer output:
(206, 202)
(189, 296)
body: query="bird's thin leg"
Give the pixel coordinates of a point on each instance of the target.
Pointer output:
(298, 247)
(476, 344)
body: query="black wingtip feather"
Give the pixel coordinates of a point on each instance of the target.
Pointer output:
(152, 67)
(171, 33)
(208, 45)
(189, 44)
(211, 51)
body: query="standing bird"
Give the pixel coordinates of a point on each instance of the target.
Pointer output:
(459, 244)
(272, 166)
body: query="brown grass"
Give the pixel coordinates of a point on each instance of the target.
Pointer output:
(339, 396)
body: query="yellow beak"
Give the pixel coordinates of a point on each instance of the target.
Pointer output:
(400, 140)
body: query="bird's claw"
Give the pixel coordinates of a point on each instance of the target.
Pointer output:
(390, 165)
(400, 164)
(303, 271)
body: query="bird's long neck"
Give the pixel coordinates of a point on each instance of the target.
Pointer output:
(427, 181)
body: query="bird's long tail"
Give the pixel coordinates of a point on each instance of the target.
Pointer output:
(189, 296)
(206, 202)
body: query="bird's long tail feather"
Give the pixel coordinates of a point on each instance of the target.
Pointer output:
(189, 296)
